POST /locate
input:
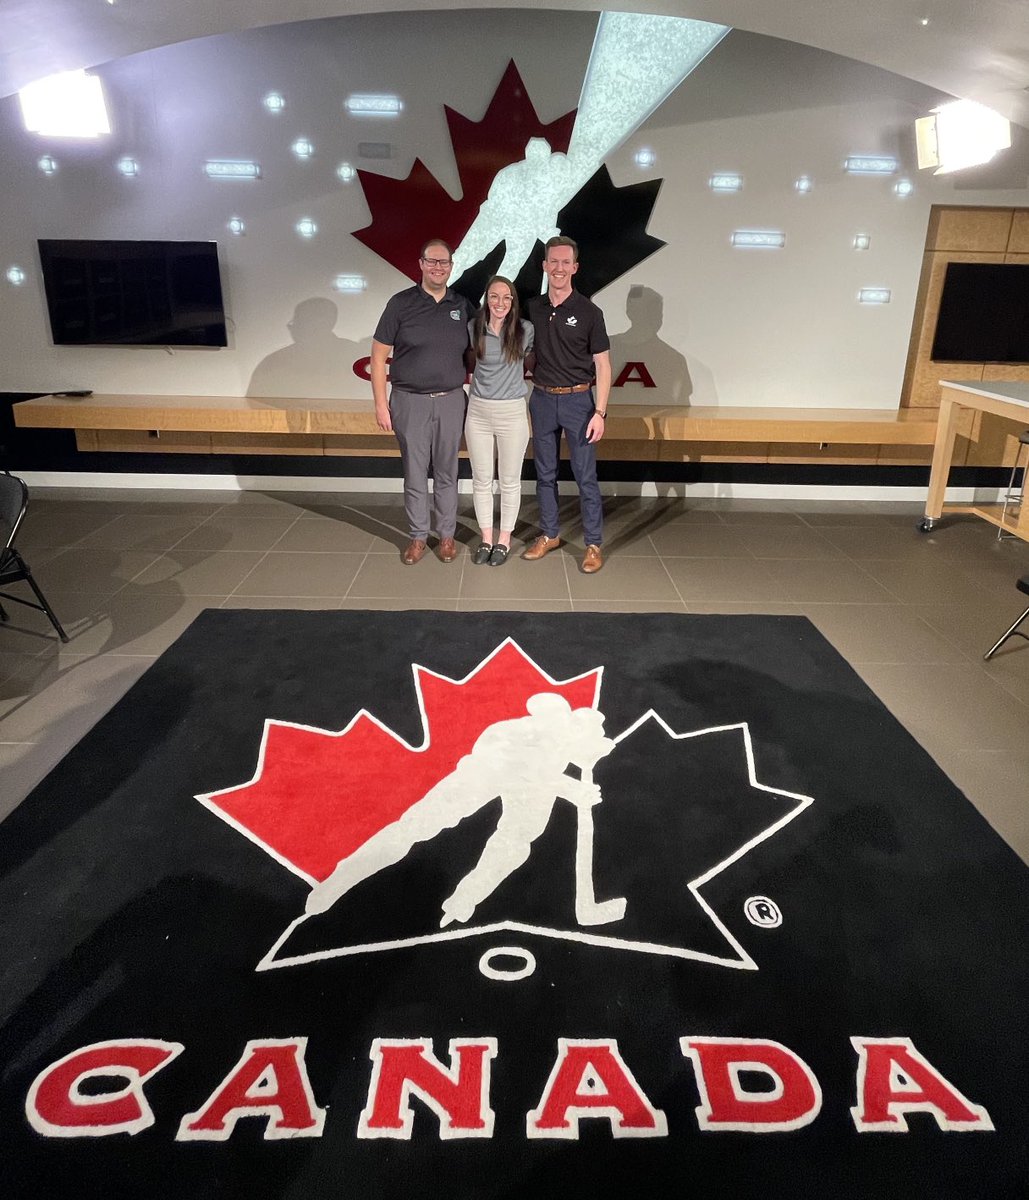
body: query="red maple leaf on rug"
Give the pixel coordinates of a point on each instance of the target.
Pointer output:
(317, 795)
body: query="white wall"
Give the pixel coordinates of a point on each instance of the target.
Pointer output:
(757, 327)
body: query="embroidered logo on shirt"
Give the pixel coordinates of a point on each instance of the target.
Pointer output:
(455, 314)
(571, 321)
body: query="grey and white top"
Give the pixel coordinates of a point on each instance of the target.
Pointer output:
(494, 378)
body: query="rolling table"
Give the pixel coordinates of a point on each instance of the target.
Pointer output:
(1004, 400)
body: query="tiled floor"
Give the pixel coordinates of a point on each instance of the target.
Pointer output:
(913, 613)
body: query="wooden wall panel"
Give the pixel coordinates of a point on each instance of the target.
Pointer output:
(1018, 243)
(137, 441)
(969, 229)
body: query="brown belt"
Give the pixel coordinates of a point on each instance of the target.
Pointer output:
(565, 391)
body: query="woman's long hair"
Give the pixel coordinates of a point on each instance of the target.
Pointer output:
(512, 336)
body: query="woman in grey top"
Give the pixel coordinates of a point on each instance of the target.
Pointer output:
(496, 425)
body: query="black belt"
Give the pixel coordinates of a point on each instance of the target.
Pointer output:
(565, 391)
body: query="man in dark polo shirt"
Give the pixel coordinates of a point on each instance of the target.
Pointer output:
(425, 329)
(571, 385)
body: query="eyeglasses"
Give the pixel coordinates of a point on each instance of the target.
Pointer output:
(436, 262)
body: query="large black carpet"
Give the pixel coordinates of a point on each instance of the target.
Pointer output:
(791, 962)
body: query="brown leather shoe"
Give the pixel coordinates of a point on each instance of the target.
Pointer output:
(413, 552)
(593, 561)
(542, 545)
(447, 550)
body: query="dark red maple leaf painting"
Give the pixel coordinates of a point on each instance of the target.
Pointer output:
(481, 148)
(317, 795)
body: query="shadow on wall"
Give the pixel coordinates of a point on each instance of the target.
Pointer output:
(318, 364)
(650, 370)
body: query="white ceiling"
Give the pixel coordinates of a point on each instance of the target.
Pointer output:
(976, 49)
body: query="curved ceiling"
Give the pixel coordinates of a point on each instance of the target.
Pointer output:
(978, 50)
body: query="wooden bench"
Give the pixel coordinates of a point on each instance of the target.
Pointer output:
(635, 432)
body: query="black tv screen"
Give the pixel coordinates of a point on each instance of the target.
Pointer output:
(108, 293)
(984, 314)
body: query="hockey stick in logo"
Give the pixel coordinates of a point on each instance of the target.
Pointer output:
(588, 909)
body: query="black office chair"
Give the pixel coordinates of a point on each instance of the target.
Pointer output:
(14, 500)
(1014, 631)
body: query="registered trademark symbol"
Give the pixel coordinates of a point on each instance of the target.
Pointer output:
(762, 911)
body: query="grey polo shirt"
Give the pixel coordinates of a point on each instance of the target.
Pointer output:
(494, 378)
(429, 339)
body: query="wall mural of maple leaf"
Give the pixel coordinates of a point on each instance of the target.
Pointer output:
(608, 222)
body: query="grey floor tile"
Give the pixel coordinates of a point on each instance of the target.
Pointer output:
(622, 578)
(311, 603)
(64, 703)
(385, 576)
(399, 604)
(301, 574)
(134, 625)
(592, 604)
(882, 633)
(997, 782)
(471, 605)
(684, 540)
(198, 572)
(100, 571)
(237, 533)
(835, 580)
(329, 534)
(950, 707)
(518, 579)
(786, 541)
(141, 531)
(924, 581)
(714, 581)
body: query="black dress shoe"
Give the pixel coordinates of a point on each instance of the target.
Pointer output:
(482, 555)
(499, 556)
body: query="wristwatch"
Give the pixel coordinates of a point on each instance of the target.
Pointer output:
(601, 415)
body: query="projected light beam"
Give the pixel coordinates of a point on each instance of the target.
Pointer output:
(637, 61)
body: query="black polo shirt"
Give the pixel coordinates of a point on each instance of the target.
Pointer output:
(567, 337)
(429, 339)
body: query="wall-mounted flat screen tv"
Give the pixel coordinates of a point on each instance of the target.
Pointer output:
(984, 314)
(108, 293)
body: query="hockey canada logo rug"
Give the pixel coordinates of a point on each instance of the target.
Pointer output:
(506, 905)
(360, 815)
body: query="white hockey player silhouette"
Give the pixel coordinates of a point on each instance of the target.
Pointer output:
(523, 762)
(521, 209)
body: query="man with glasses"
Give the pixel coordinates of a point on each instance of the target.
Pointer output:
(425, 329)
(571, 385)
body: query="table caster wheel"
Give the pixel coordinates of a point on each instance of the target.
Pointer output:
(926, 524)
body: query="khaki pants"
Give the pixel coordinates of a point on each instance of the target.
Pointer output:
(496, 429)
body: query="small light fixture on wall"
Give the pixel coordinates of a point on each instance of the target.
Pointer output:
(645, 157)
(870, 164)
(306, 227)
(803, 185)
(765, 239)
(237, 226)
(903, 188)
(303, 148)
(220, 168)
(725, 181)
(350, 283)
(48, 164)
(15, 276)
(874, 295)
(128, 167)
(274, 102)
(346, 172)
(373, 106)
(960, 134)
(862, 241)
